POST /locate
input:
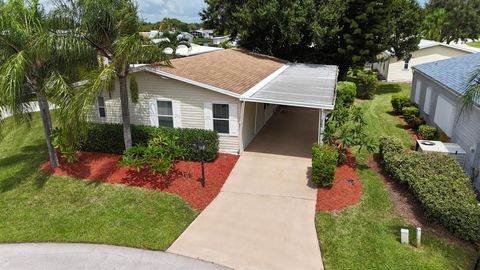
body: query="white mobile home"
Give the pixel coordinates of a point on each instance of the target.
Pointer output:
(233, 92)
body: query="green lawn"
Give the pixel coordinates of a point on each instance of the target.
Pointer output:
(37, 207)
(474, 44)
(366, 236)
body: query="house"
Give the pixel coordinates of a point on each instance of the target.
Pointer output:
(195, 49)
(234, 92)
(202, 33)
(438, 88)
(219, 40)
(398, 70)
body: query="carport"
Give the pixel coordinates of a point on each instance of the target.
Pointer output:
(295, 85)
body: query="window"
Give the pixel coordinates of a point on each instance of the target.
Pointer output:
(165, 113)
(418, 88)
(428, 97)
(221, 116)
(101, 107)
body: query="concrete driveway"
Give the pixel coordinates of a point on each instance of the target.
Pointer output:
(52, 256)
(264, 216)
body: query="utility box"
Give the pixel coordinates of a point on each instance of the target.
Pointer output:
(404, 236)
(451, 149)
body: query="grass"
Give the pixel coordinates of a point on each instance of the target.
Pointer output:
(474, 44)
(38, 207)
(366, 236)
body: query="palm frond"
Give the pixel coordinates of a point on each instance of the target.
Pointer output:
(472, 93)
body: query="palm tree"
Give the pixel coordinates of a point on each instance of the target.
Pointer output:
(36, 61)
(173, 40)
(472, 93)
(112, 28)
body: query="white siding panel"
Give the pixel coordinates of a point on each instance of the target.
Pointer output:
(191, 99)
(444, 115)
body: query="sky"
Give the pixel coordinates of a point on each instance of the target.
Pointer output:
(184, 10)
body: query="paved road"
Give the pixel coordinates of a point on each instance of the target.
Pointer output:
(50, 256)
(264, 216)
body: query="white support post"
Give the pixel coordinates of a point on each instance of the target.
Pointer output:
(321, 125)
(240, 134)
(256, 112)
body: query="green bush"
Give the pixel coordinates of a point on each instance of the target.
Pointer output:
(428, 133)
(412, 116)
(439, 183)
(324, 164)
(155, 159)
(366, 82)
(346, 92)
(399, 101)
(108, 138)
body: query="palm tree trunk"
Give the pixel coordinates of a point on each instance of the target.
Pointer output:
(47, 128)
(127, 135)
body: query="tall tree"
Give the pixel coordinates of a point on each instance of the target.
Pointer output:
(461, 18)
(36, 59)
(406, 24)
(111, 27)
(433, 24)
(346, 33)
(173, 40)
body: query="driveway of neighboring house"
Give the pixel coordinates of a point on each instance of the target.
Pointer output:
(54, 256)
(264, 216)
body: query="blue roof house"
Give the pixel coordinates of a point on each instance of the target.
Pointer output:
(438, 88)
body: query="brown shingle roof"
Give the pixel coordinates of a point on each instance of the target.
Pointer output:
(234, 70)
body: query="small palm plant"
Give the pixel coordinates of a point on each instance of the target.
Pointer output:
(472, 93)
(173, 40)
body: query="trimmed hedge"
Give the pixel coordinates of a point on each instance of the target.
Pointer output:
(399, 101)
(346, 92)
(108, 138)
(428, 133)
(366, 82)
(324, 164)
(440, 185)
(412, 116)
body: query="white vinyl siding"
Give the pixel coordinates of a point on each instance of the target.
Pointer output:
(188, 105)
(444, 115)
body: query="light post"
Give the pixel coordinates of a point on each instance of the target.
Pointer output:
(201, 148)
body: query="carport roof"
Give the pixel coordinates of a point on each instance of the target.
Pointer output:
(302, 85)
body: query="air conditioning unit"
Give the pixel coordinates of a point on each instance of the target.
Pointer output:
(451, 149)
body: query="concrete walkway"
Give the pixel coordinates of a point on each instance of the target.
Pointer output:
(264, 216)
(53, 256)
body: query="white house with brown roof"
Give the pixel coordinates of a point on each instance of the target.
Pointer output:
(233, 92)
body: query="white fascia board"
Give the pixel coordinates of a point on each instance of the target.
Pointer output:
(289, 103)
(189, 81)
(264, 82)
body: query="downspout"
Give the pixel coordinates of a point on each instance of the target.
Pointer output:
(242, 114)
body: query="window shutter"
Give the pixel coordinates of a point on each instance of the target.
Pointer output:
(153, 113)
(208, 115)
(418, 88)
(233, 119)
(177, 114)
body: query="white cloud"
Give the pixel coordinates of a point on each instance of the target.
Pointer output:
(156, 10)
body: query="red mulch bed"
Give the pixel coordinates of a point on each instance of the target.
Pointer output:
(409, 129)
(346, 189)
(184, 180)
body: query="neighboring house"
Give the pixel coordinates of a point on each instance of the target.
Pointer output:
(219, 40)
(398, 70)
(195, 49)
(202, 33)
(438, 88)
(233, 92)
(186, 36)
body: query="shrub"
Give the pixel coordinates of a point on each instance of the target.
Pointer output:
(399, 101)
(346, 92)
(428, 133)
(61, 144)
(439, 183)
(412, 116)
(108, 138)
(324, 164)
(366, 82)
(155, 159)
